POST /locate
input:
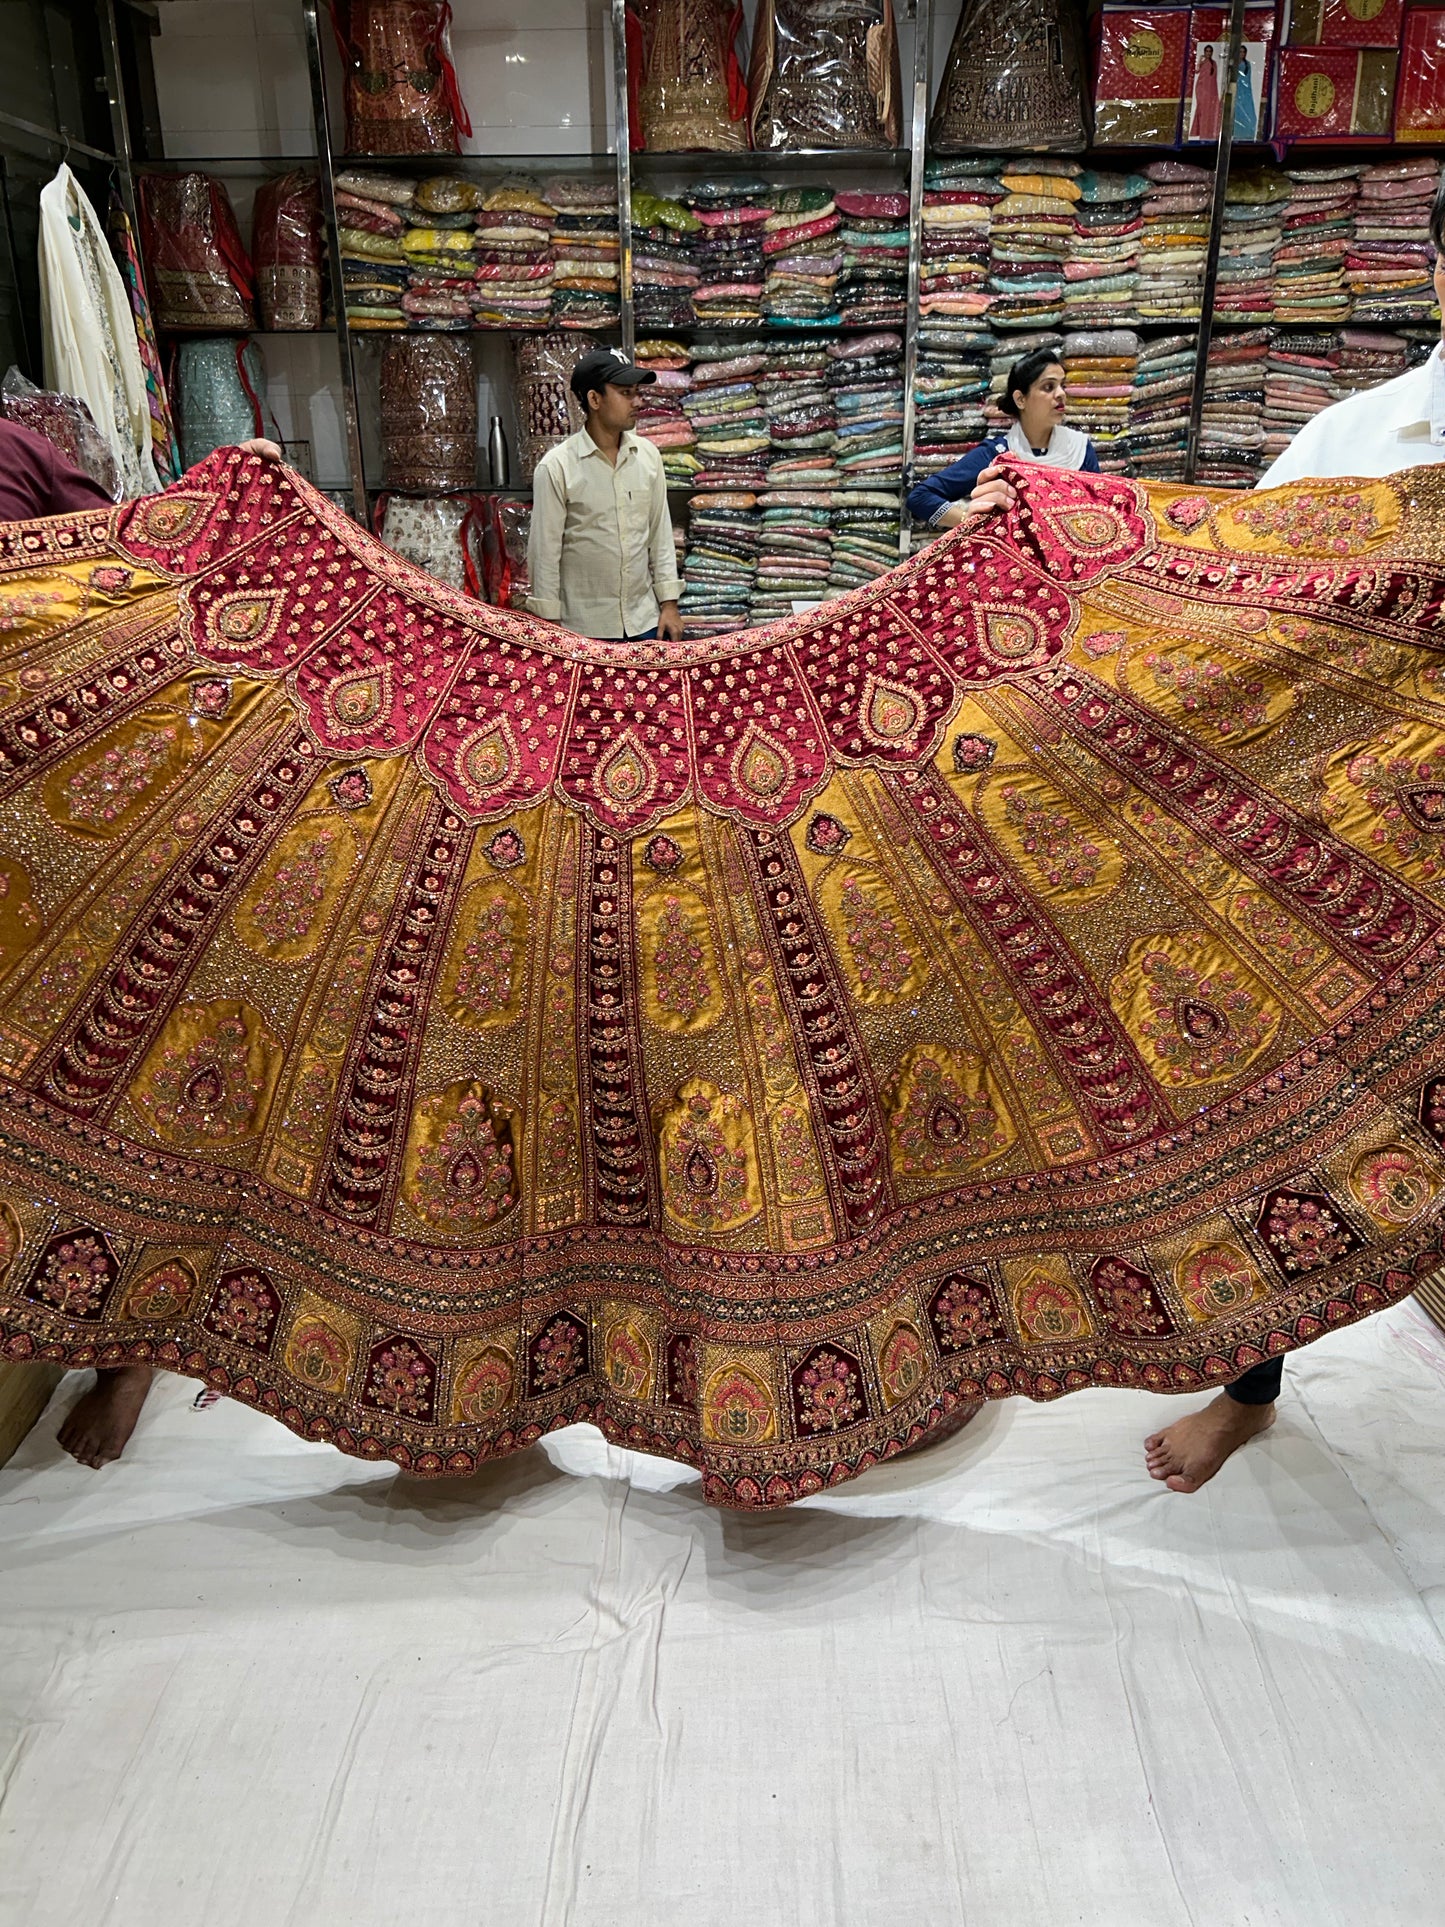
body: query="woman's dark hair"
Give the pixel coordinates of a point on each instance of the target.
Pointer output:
(1024, 373)
(1437, 218)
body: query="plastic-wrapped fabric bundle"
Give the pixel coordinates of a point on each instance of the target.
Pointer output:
(547, 410)
(1013, 79)
(65, 421)
(401, 87)
(824, 73)
(429, 414)
(439, 533)
(287, 250)
(220, 397)
(199, 273)
(692, 95)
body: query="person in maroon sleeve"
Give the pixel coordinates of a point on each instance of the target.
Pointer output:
(36, 480)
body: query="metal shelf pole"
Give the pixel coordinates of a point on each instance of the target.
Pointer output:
(622, 122)
(922, 13)
(321, 120)
(1216, 231)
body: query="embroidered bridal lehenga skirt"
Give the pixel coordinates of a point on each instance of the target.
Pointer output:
(433, 1028)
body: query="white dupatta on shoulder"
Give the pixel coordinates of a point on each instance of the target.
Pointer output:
(1067, 447)
(90, 344)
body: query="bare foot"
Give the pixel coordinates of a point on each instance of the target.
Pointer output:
(97, 1430)
(1188, 1453)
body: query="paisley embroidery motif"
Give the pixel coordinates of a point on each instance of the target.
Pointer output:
(890, 715)
(761, 766)
(460, 1175)
(710, 1179)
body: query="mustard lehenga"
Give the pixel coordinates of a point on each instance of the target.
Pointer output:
(434, 1028)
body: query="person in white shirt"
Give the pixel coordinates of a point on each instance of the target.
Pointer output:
(1400, 424)
(601, 555)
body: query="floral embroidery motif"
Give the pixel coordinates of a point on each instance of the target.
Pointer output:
(111, 581)
(351, 790)
(1050, 1313)
(463, 1178)
(941, 1126)
(401, 1379)
(75, 1274)
(799, 1173)
(662, 855)
(973, 753)
(204, 1093)
(874, 939)
(103, 789)
(558, 1355)
(627, 1360)
(25, 607)
(1304, 1231)
(485, 975)
(706, 1176)
(505, 850)
(1339, 522)
(1189, 511)
(1128, 1299)
(1215, 1279)
(485, 1388)
(902, 1363)
(826, 835)
(738, 1408)
(210, 697)
(286, 910)
(828, 1391)
(963, 1313)
(244, 1308)
(1392, 1185)
(1227, 700)
(680, 1353)
(682, 980)
(1065, 855)
(1201, 1020)
(1405, 818)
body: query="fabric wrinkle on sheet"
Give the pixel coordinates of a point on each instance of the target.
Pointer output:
(443, 1028)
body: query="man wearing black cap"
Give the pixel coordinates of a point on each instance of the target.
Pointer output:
(601, 555)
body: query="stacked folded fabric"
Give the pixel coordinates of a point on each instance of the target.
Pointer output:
(1301, 378)
(441, 250)
(372, 211)
(1254, 205)
(1100, 367)
(1174, 241)
(585, 292)
(1101, 268)
(950, 387)
(1309, 264)
(727, 412)
(513, 268)
(795, 556)
(957, 196)
(1364, 359)
(804, 258)
(728, 252)
(1388, 266)
(1231, 432)
(1029, 234)
(661, 414)
(664, 273)
(724, 526)
(865, 379)
(1159, 408)
(865, 540)
(873, 288)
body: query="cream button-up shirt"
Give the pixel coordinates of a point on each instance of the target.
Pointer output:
(601, 554)
(1400, 424)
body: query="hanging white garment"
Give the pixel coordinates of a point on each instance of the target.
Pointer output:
(90, 345)
(1067, 447)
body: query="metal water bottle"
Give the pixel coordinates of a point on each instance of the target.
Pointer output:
(497, 459)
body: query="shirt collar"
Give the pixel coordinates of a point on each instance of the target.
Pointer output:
(586, 445)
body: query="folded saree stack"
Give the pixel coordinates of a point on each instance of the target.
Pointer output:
(1019, 975)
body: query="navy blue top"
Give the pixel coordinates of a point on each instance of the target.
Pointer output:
(955, 483)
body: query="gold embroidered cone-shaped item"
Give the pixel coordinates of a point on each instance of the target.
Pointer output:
(433, 1028)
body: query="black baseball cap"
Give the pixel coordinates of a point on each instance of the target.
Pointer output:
(602, 365)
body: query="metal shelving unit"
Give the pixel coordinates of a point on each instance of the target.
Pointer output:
(903, 166)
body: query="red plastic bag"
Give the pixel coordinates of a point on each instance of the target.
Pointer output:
(200, 277)
(286, 245)
(401, 86)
